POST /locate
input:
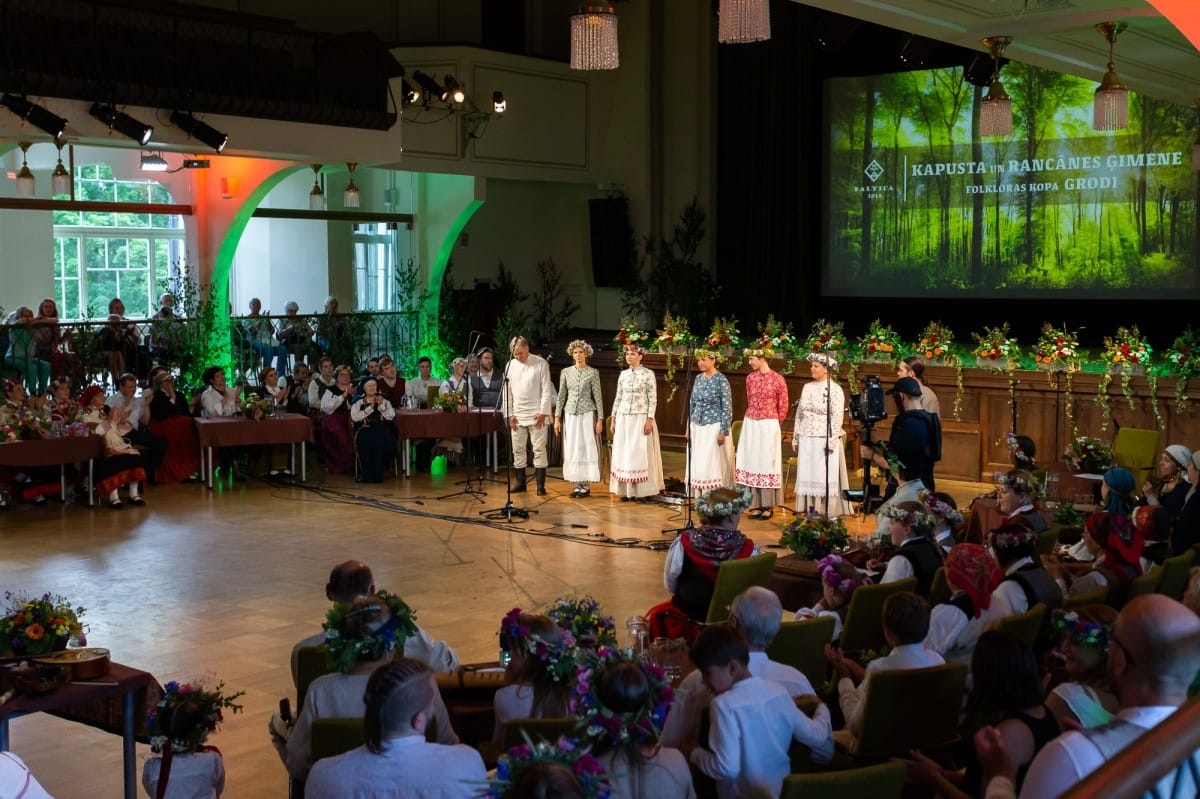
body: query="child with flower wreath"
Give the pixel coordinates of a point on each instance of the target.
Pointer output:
(543, 770)
(622, 703)
(1080, 690)
(946, 518)
(910, 524)
(540, 670)
(839, 578)
(956, 624)
(178, 727)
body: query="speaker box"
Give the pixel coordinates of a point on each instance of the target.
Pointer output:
(614, 256)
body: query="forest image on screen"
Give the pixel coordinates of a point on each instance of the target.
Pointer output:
(918, 204)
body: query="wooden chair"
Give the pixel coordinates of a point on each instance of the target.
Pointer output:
(1175, 573)
(1048, 539)
(939, 590)
(311, 663)
(1136, 450)
(1025, 626)
(734, 577)
(1096, 596)
(518, 731)
(735, 432)
(911, 709)
(882, 781)
(334, 736)
(1146, 583)
(863, 628)
(801, 645)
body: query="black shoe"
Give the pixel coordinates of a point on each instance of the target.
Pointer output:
(40, 500)
(137, 501)
(626, 499)
(766, 514)
(115, 504)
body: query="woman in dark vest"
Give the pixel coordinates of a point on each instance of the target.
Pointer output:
(693, 560)
(909, 524)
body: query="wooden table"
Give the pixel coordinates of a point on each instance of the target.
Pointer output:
(95, 703)
(238, 431)
(412, 424)
(39, 452)
(796, 582)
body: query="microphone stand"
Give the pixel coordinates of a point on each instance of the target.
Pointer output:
(507, 513)
(469, 490)
(828, 439)
(686, 418)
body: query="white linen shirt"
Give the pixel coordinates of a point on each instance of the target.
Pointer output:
(1009, 598)
(531, 390)
(214, 404)
(194, 775)
(853, 700)
(408, 768)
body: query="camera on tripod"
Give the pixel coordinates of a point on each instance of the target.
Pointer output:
(870, 406)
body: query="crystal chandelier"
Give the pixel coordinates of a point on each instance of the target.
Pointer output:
(1110, 110)
(594, 38)
(995, 115)
(743, 21)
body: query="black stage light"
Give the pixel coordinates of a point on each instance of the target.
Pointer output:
(122, 123)
(35, 115)
(454, 91)
(196, 129)
(408, 93)
(429, 85)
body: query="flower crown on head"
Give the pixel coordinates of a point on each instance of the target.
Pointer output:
(705, 352)
(560, 658)
(1016, 483)
(919, 519)
(1017, 452)
(939, 508)
(566, 752)
(1012, 538)
(346, 651)
(638, 348)
(722, 510)
(208, 706)
(639, 726)
(826, 567)
(580, 344)
(760, 350)
(1090, 633)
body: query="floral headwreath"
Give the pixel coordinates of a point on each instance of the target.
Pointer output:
(640, 726)
(823, 358)
(346, 651)
(579, 344)
(722, 510)
(581, 617)
(584, 766)
(560, 659)
(1011, 537)
(1090, 633)
(209, 704)
(638, 348)
(829, 574)
(939, 508)
(919, 519)
(1017, 483)
(706, 352)
(759, 350)
(1017, 452)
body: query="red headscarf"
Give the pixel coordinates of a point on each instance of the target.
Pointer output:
(971, 568)
(88, 393)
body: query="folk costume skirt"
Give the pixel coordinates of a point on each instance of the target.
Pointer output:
(636, 458)
(710, 465)
(581, 454)
(812, 459)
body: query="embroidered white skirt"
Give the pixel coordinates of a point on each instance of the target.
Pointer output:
(581, 455)
(710, 465)
(811, 461)
(636, 459)
(759, 460)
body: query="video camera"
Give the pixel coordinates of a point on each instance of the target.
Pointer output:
(870, 406)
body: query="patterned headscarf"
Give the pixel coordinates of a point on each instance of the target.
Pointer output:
(971, 568)
(1117, 536)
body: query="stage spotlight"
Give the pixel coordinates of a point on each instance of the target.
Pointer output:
(122, 123)
(454, 91)
(409, 95)
(196, 129)
(430, 86)
(35, 115)
(153, 162)
(499, 104)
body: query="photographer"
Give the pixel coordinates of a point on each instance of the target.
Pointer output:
(915, 442)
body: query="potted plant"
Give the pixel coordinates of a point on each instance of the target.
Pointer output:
(39, 625)
(995, 349)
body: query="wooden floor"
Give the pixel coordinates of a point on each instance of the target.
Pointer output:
(220, 585)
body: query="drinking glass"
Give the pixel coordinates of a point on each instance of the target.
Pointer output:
(637, 629)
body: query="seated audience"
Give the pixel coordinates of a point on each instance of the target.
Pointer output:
(298, 393)
(139, 419)
(270, 384)
(119, 340)
(22, 353)
(218, 398)
(1116, 549)
(839, 578)
(122, 463)
(1025, 582)
(1080, 691)
(184, 767)
(690, 572)
(418, 387)
(391, 384)
(28, 485)
(946, 518)
(955, 625)
(320, 383)
(1185, 533)
(60, 405)
(905, 625)
(1164, 494)
(397, 761)
(171, 420)
(295, 334)
(539, 669)
(337, 441)
(260, 332)
(1016, 499)
(909, 526)
(753, 721)
(374, 432)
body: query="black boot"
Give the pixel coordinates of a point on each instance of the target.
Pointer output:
(540, 474)
(519, 486)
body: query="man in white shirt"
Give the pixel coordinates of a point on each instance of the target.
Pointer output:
(417, 388)
(757, 613)
(1153, 656)
(527, 402)
(139, 417)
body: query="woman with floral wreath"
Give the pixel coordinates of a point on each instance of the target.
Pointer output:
(956, 624)
(577, 418)
(690, 572)
(374, 431)
(1079, 688)
(710, 416)
(817, 440)
(636, 471)
(622, 704)
(759, 457)
(541, 666)
(30, 485)
(178, 728)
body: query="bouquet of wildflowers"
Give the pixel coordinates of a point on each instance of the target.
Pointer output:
(31, 424)
(826, 337)
(1057, 348)
(775, 335)
(813, 536)
(582, 618)
(879, 343)
(253, 406)
(585, 767)
(451, 401)
(674, 333)
(631, 335)
(36, 626)
(935, 342)
(1126, 348)
(1089, 455)
(209, 707)
(994, 344)
(724, 333)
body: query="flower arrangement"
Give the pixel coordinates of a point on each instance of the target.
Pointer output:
(1184, 359)
(811, 535)
(1057, 349)
(775, 336)
(512, 765)
(674, 333)
(31, 424)
(631, 335)
(207, 707)
(253, 406)
(638, 726)
(36, 626)
(995, 348)
(451, 401)
(1124, 352)
(345, 651)
(826, 337)
(7, 434)
(936, 341)
(724, 333)
(879, 343)
(582, 618)
(721, 510)
(78, 430)
(1089, 633)
(561, 659)
(1088, 454)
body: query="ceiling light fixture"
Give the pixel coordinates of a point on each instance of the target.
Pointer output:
(351, 197)
(1110, 109)
(35, 115)
(122, 123)
(995, 115)
(594, 44)
(316, 197)
(743, 21)
(202, 131)
(154, 162)
(60, 178)
(26, 185)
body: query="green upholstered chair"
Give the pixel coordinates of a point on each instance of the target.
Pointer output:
(1027, 625)
(1048, 539)
(735, 432)
(801, 645)
(882, 781)
(1097, 596)
(939, 590)
(518, 731)
(311, 663)
(863, 628)
(1175, 574)
(734, 577)
(1136, 450)
(1146, 583)
(911, 709)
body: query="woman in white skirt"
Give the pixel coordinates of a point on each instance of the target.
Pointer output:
(759, 455)
(577, 419)
(817, 439)
(710, 415)
(636, 471)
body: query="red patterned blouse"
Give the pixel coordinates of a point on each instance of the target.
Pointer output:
(766, 396)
